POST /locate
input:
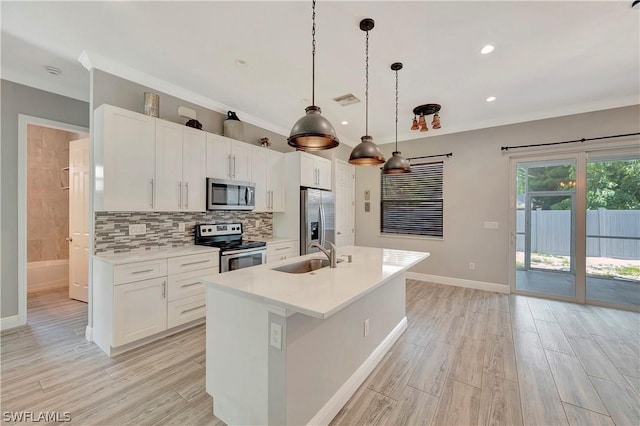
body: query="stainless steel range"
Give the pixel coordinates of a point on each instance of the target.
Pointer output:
(235, 253)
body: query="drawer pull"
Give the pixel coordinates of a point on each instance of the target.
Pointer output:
(190, 284)
(283, 248)
(195, 263)
(142, 272)
(192, 309)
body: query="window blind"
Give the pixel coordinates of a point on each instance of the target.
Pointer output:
(412, 203)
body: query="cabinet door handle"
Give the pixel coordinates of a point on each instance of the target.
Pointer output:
(190, 284)
(283, 248)
(142, 272)
(180, 191)
(271, 200)
(186, 204)
(234, 166)
(152, 192)
(192, 309)
(229, 166)
(164, 289)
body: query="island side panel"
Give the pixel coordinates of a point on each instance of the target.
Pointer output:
(322, 354)
(237, 358)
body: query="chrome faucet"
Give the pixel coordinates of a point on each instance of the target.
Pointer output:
(331, 253)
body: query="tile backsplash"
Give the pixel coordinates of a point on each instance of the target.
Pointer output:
(112, 228)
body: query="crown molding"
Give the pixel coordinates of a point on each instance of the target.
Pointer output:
(92, 60)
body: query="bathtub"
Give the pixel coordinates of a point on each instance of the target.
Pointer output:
(47, 274)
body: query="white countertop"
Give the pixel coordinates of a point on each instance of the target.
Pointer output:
(323, 292)
(152, 254)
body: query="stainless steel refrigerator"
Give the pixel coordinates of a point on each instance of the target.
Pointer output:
(317, 219)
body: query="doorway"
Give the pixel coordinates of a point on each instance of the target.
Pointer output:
(577, 228)
(43, 209)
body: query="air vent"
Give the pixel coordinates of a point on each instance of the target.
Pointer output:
(347, 99)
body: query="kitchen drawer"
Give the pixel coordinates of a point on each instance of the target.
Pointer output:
(193, 262)
(184, 310)
(276, 256)
(188, 283)
(139, 271)
(274, 249)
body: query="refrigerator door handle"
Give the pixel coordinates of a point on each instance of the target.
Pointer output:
(322, 225)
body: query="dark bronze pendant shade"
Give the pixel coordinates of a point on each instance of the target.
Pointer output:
(313, 132)
(397, 163)
(366, 153)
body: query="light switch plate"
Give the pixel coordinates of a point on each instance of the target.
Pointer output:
(491, 225)
(367, 207)
(367, 194)
(139, 229)
(181, 227)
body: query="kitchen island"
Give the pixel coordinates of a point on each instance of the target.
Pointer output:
(292, 348)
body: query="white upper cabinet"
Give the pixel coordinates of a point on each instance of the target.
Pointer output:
(168, 185)
(315, 172)
(180, 168)
(194, 169)
(267, 172)
(228, 159)
(124, 160)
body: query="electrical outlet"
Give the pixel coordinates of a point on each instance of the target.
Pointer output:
(181, 227)
(139, 229)
(366, 327)
(367, 195)
(472, 266)
(275, 338)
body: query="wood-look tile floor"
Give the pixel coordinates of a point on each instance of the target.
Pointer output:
(471, 357)
(467, 357)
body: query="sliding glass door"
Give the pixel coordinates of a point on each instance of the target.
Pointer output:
(613, 230)
(577, 228)
(545, 224)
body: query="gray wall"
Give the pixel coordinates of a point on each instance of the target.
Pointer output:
(19, 99)
(476, 189)
(114, 90)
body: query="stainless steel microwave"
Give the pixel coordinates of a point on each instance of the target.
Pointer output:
(230, 195)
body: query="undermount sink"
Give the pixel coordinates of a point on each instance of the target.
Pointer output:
(308, 265)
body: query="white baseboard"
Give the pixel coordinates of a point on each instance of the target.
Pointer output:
(10, 322)
(459, 282)
(346, 391)
(88, 334)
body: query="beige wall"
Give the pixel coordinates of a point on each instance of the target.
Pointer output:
(47, 202)
(476, 189)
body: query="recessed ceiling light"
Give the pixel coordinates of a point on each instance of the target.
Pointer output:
(344, 123)
(487, 49)
(53, 70)
(491, 98)
(240, 62)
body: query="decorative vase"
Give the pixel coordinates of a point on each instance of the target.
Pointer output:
(151, 104)
(233, 127)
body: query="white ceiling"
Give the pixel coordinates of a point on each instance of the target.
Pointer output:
(550, 58)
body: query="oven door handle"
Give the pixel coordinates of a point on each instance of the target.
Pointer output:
(251, 251)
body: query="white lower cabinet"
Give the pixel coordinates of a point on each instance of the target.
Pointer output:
(140, 310)
(281, 250)
(140, 300)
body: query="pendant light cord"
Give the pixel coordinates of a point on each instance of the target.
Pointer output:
(366, 88)
(396, 110)
(313, 54)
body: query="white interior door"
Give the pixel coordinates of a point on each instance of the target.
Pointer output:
(344, 203)
(79, 219)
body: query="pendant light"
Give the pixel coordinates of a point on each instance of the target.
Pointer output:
(366, 153)
(397, 163)
(313, 132)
